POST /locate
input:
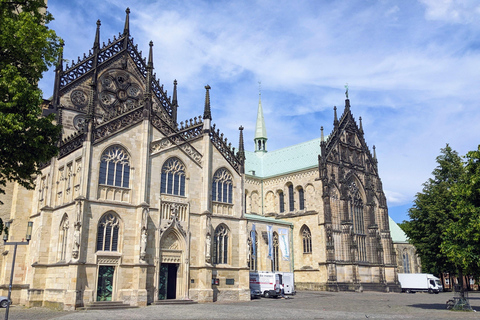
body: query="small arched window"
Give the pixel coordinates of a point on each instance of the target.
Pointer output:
(281, 200)
(301, 199)
(307, 239)
(220, 245)
(107, 232)
(173, 177)
(62, 239)
(291, 198)
(222, 186)
(115, 167)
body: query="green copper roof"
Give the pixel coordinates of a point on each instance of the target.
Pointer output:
(290, 159)
(260, 129)
(396, 232)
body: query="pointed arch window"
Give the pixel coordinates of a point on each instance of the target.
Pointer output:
(406, 262)
(115, 167)
(253, 247)
(222, 186)
(291, 201)
(307, 239)
(107, 232)
(281, 200)
(275, 257)
(301, 199)
(62, 239)
(220, 245)
(173, 177)
(356, 214)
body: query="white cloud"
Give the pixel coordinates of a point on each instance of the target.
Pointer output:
(411, 67)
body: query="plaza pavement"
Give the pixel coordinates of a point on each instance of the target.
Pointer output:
(305, 305)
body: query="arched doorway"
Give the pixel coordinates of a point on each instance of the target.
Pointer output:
(171, 273)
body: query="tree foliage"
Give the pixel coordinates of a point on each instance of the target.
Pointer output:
(27, 49)
(432, 213)
(461, 242)
(444, 221)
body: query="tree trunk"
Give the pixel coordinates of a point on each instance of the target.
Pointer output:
(460, 283)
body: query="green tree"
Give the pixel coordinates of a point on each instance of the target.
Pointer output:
(27, 49)
(432, 213)
(461, 242)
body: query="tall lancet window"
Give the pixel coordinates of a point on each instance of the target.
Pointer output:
(307, 239)
(173, 177)
(357, 217)
(281, 202)
(220, 245)
(291, 198)
(115, 167)
(222, 186)
(275, 258)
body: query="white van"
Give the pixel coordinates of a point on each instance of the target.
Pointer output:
(288, 283)
(268, 283)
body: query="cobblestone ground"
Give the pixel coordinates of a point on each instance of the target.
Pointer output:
(305, 305)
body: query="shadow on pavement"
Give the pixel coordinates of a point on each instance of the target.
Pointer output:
(436, 306)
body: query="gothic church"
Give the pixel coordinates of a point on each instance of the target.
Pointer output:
(138, 208)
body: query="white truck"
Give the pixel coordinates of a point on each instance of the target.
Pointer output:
(416, 282)
(267, 283)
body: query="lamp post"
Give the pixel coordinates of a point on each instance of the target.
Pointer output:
(15, 243)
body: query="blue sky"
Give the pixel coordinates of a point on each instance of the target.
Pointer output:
(413, 70)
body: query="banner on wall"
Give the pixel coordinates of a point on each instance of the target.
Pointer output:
(283, 240)
(270, 242)
(254, 240)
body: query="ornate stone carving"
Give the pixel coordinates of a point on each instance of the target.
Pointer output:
(79, 98)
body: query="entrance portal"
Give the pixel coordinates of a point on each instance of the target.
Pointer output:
(105, 283)
(167, 288)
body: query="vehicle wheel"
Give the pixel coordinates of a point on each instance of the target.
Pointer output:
(430, 291)
(266, 294)
(4, 303)
(407, 291)
(450, 304)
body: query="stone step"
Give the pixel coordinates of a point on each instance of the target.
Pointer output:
(174, 301)
(106, 305)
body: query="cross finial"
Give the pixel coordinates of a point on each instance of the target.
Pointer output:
(346, 90)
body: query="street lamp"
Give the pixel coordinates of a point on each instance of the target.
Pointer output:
(28, 237)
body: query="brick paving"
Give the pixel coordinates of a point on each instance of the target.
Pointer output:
(305, 305)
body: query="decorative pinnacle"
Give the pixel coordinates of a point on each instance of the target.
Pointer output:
(150, 56)
(346, 90)
(361, 126)
(335, 119)
(322, 138)
(241, 147)
(207, 114)
(96, 44)
(374, 153)
(174, 99)
(126, 29)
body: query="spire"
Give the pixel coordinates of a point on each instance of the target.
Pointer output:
(207, 114)
(335, 118)
(322, 137)
(126, 29)
(148, 91)
(374, 154)
(260, 128)
(96, 44)
(361, 126)
(58, 72)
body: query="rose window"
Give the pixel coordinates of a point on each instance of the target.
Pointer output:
(119, 91)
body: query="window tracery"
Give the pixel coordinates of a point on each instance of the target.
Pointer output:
(173, 177)
(115, 167)
(220, 245)
(107, 233)
(222, 186)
